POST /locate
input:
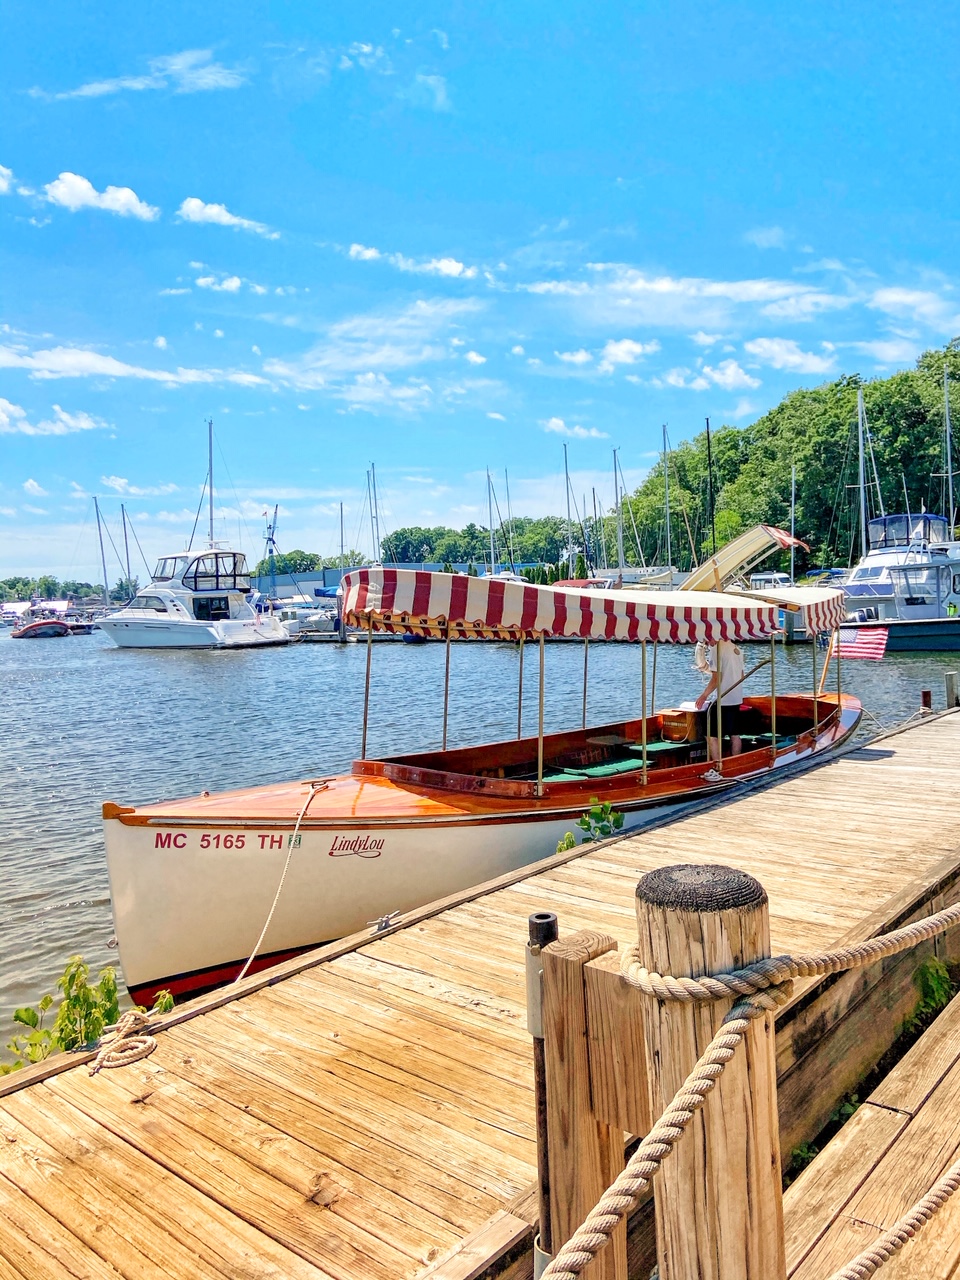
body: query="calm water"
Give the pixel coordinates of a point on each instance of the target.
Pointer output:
(83, 722)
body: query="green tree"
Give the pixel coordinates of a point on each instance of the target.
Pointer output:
(47, 587)
(125, 589)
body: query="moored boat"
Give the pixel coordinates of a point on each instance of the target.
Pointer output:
(194, 880)
(41, 629)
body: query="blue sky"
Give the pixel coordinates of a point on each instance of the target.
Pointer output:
(442, 237)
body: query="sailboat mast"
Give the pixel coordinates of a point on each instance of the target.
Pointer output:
(948, 444)
(861, 476)
(513, 553)
(666, 499)
(571, 566)
(710, 504)
(126, 543)
(375, 510)
(210, 472)
(341, 539)
(619, 506)
(103, 558)
(493, 545)
(793, 519)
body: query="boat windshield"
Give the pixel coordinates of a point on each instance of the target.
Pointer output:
(921, 584)
(218, 571)
(170, 567)
(900, 531)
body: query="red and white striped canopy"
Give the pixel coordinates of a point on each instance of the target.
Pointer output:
(433, 604)
(821, 608)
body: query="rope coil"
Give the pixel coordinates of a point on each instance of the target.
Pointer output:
(128, 1042)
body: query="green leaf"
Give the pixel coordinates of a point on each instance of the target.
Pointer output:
(45, 1003)
(27, 1016)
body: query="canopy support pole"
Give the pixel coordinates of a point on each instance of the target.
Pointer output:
(816, 708)
(836, 649)
(446, 688)
(520, 693)
(586, 652)
(773, 697)
(643, 706)
(366, 690)
(719, 710)
(540, 727)
(653, 681)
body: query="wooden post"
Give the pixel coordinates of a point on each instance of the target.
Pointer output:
(718, 1198)
(520, 692)
(586, 654)
(643, 708)
(540, 725)
(585, 1154)
(816, 708)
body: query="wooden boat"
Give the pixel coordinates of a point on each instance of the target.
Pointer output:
(41, 629)
(193, 881)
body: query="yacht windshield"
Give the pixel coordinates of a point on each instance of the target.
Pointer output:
(901, 531)
(170, 567)
(218, 571)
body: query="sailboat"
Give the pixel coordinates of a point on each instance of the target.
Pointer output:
(195, 600)
(193, 881)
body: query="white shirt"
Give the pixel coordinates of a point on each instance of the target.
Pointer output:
(731, 671)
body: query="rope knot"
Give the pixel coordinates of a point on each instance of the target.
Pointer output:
(128, 1042)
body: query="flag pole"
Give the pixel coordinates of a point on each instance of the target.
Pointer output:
(826, 665)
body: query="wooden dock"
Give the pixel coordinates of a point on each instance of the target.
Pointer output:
(895, 1147)
(366, 1111)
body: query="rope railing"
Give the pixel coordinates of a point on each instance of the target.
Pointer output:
(758, 988)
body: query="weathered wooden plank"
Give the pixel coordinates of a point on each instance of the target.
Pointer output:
(303, 1226)
(618, 1059)
(470, 1258)
(820, 1194)
(35, 1245)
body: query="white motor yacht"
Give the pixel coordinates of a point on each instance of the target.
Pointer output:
(196, 600)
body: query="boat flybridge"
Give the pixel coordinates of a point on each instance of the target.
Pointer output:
(195, 600)
(193, 881)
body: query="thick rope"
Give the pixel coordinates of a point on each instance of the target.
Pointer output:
(882, 1250)
(315, 789)
(127, 1043)
(777, 969)
(623, 1196)
(752, 985)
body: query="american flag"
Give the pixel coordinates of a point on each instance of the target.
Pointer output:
(862, 642)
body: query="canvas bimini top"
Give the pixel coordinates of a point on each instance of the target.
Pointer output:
(435, 605)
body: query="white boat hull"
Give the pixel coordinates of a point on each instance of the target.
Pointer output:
(188, 900)
(147, 633)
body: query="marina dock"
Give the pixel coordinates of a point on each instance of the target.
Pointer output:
(366, 1111)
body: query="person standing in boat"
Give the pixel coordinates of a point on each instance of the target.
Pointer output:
(731, 667)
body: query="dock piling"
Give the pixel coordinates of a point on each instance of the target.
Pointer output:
(719, 1208)
(950, 689)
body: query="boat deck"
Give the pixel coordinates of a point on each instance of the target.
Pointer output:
(366, 1111)
(886, 1158)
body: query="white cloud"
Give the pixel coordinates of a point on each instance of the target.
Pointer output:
(192, 71)
(450, 267)
(172, 293)
(218, 333)
(443, 39)
(784, 353)
(766, 237)
(160, 342)
(517, 350)
(922, 306)
(10, 512)
(889, 350)
(375, 390)
(474, 357)
(122, 486)
(14, 421)
(75, 362)
(730, 376)
(379, 341)
(194, 210)
(571, 357)
(617, 294)
(558, 427)
(625, 351)
(705, 339)
(428, 91)
(35, 511)
(497, 417)
(230, 284)
(31, 487)
(73, 192)
(6, 180)
(743, 408)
